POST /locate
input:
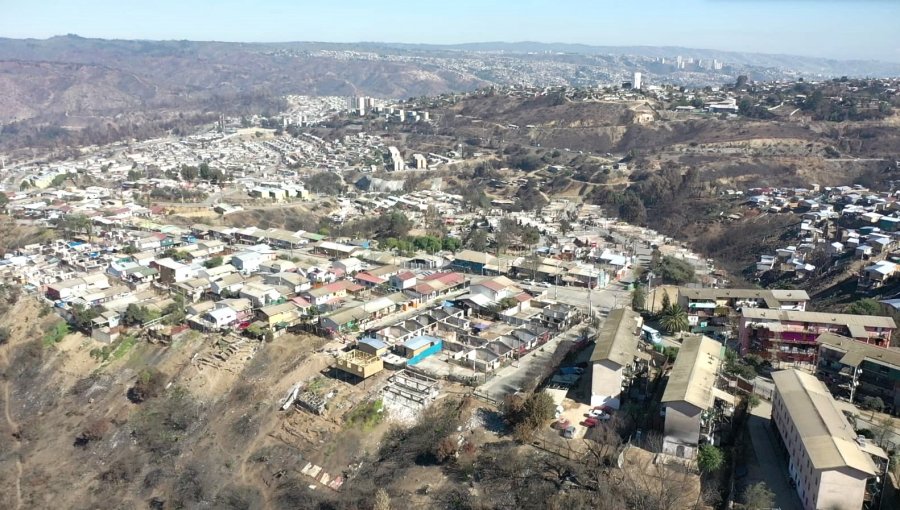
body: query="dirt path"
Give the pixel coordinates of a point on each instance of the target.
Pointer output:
(14, 430)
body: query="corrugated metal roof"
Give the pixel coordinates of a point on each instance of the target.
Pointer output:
(617, 340)
(827, 437)
(693, 375)
(855, 352)
(872, 321)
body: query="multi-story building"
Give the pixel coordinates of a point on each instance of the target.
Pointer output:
(828, 464)
(691, 399)
(614, 355)
(714, 310)
(855, 370)
(790, 336)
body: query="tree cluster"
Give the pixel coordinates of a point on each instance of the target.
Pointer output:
(173, 194)
(527, 414)
(675, 270)
(325, 183)
(430, 244)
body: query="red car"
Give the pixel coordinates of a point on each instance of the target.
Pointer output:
(589, 422)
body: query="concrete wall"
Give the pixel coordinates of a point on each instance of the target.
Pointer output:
(682, 428)
(839, 489)
(606, 383)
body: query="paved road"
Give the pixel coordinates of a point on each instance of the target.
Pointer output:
(864, 420)
(511, 378)
(613, 296)
(770, 466)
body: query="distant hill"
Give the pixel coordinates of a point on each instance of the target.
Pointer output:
(41, 79)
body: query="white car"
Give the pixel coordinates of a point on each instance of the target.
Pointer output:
(545, 284)
(599, 415)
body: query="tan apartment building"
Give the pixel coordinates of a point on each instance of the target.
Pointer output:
(826, 461)
(690, 396)
(613, 357)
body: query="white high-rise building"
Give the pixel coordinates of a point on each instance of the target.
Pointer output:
(636, 83)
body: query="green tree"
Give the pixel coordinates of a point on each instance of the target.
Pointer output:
(4, 200)
(631, 209)
(873, 404)
(666, 304)
(75, 224)
(638, 297)
(59, 180)
(83, 317)
(565, 227)
(758, 497)
(675, 319)
(527, 414)
(478, 241)
(174, 312)
(867, 306)
(397, 225)
(531, 236)
(136, 315)
(188, 173)
(256, 331)
(710, 458)
(452, 244)
(753, 401)
(674, 270)
(213, 262)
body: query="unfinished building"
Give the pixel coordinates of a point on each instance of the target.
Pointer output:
(359, 363)
(411, 391)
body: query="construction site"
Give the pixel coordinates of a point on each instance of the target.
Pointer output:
(407, 393)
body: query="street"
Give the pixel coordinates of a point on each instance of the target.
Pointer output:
(613, 296)
(510, 379)
(768, 465)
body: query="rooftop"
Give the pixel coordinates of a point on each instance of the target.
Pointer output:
(826, 435)
(856, 352)
(871, 321)
(617, 340)
(778, 294)
(693, 376)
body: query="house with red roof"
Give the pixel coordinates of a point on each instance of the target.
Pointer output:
(403, 280)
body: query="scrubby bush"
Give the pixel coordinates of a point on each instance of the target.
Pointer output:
(164, 422)
(150, 383)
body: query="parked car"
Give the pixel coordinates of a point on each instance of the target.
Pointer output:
(546, 284)
(590, 422)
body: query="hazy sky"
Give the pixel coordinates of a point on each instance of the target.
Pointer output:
(828, 28)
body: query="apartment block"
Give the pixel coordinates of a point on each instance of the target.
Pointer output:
(790, 336)
(713, 310)
(692, 400)
(854, 370)
(613, 359)
(829, 465)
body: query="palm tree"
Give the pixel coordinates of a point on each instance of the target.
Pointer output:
(674, 319)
